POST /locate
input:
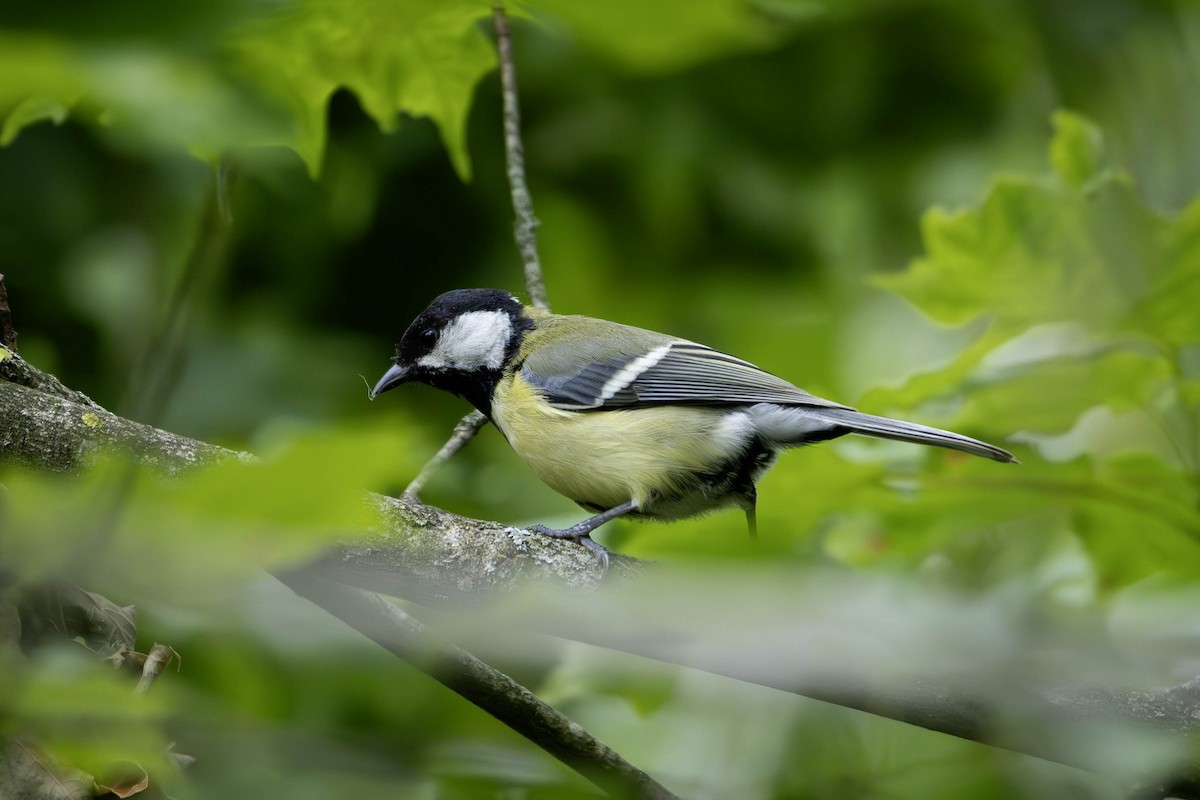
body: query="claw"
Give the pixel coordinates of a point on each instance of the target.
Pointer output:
(579, 537)
(597, 548)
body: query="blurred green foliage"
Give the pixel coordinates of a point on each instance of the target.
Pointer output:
(881, 200)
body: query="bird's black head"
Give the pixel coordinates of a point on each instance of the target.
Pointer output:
(460, 343)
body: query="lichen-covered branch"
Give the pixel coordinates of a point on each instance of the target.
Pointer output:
(15, 369)
(485, 687)
(45, 424)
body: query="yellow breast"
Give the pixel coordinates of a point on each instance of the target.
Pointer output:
(604, 458)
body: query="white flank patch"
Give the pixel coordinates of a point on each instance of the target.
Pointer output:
(630, 372)
(474, 340)
(734, 430)
(784, 425)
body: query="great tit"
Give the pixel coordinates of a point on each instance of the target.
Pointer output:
(626, 421)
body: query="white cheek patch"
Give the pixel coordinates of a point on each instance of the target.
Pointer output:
(474, 340)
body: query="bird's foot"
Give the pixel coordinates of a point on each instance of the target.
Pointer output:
(580, 535)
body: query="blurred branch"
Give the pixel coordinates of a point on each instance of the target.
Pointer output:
(158, 369)
(524, 231)
(940, 671)
(485, 687)
(803, 638)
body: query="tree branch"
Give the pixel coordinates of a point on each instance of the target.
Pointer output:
(970, 670)
(47, 425)
(8, 334)
(485, 687)
(17, 370)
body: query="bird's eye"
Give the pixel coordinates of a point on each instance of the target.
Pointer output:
(428, 337)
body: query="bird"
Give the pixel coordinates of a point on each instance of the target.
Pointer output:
(627, 422)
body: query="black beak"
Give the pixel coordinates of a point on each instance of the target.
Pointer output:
(390, 380)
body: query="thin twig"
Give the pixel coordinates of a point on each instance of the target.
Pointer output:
(524, 231)
(160, 365)
(485, 687)
(464, 432)
(525, 227)
(8, 335)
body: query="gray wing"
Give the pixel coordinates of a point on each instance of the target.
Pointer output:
(674, 372)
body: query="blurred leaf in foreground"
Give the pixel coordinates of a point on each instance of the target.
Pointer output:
(1090, 299)
(185, 539)
(1077, 246)
(255, 75)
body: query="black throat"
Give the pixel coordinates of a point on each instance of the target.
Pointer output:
(474, 387)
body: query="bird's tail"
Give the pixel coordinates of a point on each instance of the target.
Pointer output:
(886, 428)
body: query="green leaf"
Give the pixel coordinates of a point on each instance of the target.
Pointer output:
(189, 540)
(419, 57)
(1084, 254)
(1169, 308)
(33, 109)
(309, 493)
(89, 718)
(140, 95)
(1133, 495)
(1076, 148)
(1027, 255)
(175, 101)
(36, 79)
(1135, 513)
(261, 76)
(949, 381)
(662, 36)
(1044, 251)
(1050, 396)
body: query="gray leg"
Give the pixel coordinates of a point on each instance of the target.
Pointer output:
(752, 522)
(581, 532)
(749, 504)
